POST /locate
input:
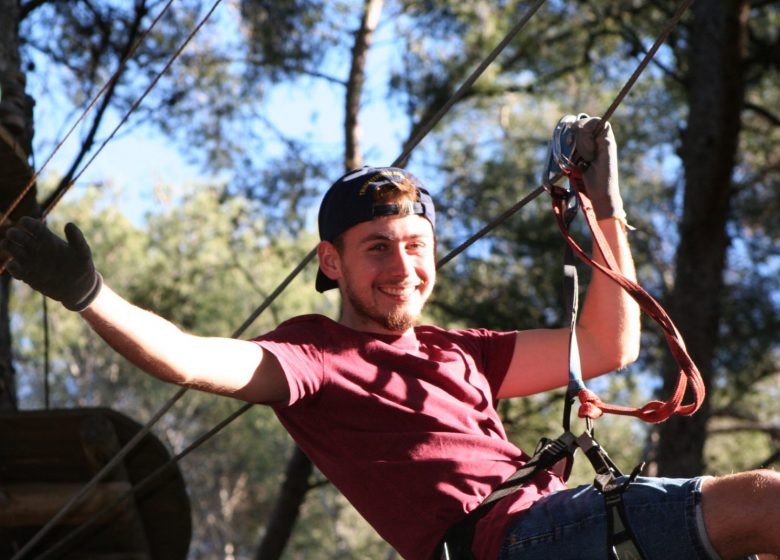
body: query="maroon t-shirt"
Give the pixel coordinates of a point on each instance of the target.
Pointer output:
(405, 426)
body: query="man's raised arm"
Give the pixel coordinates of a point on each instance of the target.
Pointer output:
(64, 271)
(608, 328)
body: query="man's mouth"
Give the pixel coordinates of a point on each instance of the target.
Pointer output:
(398, 291)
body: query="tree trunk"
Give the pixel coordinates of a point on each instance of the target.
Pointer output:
(8, 398)
(299, 467)
(287, 507)
(353, 157)
(709, 148)
(9, 66)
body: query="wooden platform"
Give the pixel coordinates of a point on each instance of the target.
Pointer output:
(15, 173)
(46, 457)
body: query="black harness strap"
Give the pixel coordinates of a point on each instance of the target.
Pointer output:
(555, 455)
(621, 543)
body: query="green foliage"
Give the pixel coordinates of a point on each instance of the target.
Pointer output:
(743, 430)
(288, 36)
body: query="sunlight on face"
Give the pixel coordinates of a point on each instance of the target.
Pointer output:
(388, 272)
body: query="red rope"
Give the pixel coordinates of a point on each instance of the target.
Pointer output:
(591, 406)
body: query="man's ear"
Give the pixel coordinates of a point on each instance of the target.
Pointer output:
(330, 260)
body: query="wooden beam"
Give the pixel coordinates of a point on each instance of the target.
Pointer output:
(33, 504)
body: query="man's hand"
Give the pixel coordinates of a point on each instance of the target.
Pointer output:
(601, 176)
(61, 270)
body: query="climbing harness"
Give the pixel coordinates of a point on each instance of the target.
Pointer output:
(557, 455)
(563, 158)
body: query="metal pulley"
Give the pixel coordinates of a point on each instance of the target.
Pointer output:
(562, 159)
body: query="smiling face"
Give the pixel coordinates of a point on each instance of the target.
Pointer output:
(385, 269)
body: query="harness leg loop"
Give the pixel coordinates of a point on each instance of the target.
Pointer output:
(621, 541)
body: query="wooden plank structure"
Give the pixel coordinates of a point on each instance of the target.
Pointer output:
(46, 457)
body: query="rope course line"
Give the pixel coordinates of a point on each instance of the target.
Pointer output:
(459, 249)
(59, 194)
(460, 92)
(649, 55)
(135, 105)
(109, 83)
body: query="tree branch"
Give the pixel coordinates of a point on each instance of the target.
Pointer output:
(89, 140)
(357, 76)
(764, 112)
(773, 458)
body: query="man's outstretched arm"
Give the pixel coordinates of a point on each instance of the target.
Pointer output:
(64, 271)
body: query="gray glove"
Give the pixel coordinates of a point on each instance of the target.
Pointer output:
(601, 176)
(61, 270)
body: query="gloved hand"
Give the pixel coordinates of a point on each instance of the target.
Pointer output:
(61, 270)
(601, 176)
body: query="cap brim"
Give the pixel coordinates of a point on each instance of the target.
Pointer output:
(323, 283)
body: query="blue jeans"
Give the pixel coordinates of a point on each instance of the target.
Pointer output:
(664, 514)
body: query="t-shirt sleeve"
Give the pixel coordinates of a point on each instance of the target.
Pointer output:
(294, 344)
(497, 351)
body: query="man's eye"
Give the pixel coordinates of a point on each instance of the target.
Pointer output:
(379, 247)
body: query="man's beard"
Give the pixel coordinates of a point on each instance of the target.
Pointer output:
(397, 320)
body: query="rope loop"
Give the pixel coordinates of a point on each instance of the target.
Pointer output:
(590, 404)
(688, 374)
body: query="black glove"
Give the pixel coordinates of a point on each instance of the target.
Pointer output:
(61, 270)
(601, 176)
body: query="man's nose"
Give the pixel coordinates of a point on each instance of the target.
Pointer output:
(401, 262)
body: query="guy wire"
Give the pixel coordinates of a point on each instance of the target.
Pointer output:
(111, 82)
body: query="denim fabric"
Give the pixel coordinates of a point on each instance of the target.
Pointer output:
(664, 514)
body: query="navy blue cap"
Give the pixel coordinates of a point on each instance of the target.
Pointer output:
(350, 201)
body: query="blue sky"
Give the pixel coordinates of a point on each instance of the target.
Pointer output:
(139, 159)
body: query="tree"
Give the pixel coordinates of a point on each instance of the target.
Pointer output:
(16, 140)
(723, 64)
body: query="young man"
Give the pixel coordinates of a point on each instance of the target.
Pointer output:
(401, 417)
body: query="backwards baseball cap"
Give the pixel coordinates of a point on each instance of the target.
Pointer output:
(350, 201)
